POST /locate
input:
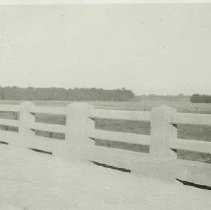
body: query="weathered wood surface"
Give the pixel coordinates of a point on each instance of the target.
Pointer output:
(130, 138)
(195, 119)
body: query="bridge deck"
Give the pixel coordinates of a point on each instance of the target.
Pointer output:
(30, 180)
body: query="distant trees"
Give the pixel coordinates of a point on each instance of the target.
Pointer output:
(196, 98)
(62, 94)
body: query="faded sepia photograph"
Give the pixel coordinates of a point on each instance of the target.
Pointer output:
(105, 105)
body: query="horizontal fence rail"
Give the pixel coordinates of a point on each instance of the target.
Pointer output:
(7, 122)
(192, 145)
(37, 142)
(123, 159)
(9, 108)
(130, 138)
(48, 127)
(80, 132)
(194, 119)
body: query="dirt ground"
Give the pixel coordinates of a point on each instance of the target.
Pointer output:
(31, 180)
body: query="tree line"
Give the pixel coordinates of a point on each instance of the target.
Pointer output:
(62, 94)
(197, 98)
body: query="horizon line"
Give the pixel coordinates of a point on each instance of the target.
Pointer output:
(134, 92)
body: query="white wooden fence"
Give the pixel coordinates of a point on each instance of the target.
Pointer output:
(78, 146)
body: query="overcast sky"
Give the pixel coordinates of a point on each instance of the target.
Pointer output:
(148, 48)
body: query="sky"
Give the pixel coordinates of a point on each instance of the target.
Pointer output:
(148, 48)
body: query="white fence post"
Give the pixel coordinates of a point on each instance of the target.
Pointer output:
(25, 119)
(78, 145)
(162, 133)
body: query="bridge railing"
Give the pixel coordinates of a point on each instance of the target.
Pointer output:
(80, 132)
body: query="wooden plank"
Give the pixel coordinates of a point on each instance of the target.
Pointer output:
(43, 143)
(192, 171)
(166, 169)
(37, 142)
(121, 115)
(196, 119)
(48, 127)
(118, 158)
(131, 138)
(7, 122)
(192, 145)
(48, 110)
(9, 108)
(9, 136)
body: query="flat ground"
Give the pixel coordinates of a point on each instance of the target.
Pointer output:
(31, 180)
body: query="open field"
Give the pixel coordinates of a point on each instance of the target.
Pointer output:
(181, 106)
(196, 132)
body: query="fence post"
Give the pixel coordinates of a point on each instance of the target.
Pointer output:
(78, 145)
(162, 133)
(25, 119)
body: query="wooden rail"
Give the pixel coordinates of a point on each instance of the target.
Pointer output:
(194, 119)
(124, 159)
(9, 108)
(36, 142)
(192, 145)
(80, 132)
(47, 127)
(7, 122)
(130, 138)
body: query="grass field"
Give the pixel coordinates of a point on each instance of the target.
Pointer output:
(197, 132)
